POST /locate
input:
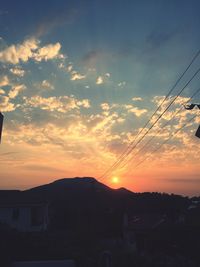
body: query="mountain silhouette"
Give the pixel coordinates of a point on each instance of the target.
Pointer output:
(81, 199)
(84, 199)
(81, 194)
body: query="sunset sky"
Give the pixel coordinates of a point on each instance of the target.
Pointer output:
(78, 81)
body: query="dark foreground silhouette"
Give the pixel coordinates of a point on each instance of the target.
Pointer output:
(93, 225)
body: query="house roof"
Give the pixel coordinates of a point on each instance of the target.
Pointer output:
(145, 221)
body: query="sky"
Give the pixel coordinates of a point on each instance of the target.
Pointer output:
(80, 79)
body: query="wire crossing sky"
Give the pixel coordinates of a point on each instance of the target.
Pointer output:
(79, 83)
(133, 145)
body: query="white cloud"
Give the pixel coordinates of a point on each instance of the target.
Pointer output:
(76, 76)
(99, 80)
(105, 106)
(158, 100)
(47, 52)
(121, 84)
(61, 65)
(84, 103)
(137, 99)
(103, 124)
(29, 49)
(138, 112)
(128, 106)
(14, 53)
(16, 90)
(61, 104)
(17, 71)
(4, 81)
(62, 56)
(47, 85)
(5, 105)
(107, 74)
(69, 68)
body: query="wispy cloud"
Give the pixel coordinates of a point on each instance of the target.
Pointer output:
(91, 58)
(122, 84)
(55, 19)
(16, 90)
(157, 38)
(137, 98)
(17, 71)
(137, 111)
(47, 85)
(181, 180)
(60, 104)
(4, 81)
(99, 80)
(6, 105)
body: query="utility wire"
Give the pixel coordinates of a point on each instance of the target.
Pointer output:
(130, 149)
(172, 117)
(165, 110)
(123, 154)
(165, 141)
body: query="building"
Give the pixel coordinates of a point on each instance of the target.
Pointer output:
(22, 213)
(1, 125)
(58, 263)
(143, 228)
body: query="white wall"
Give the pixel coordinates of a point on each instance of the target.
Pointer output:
(23, 222)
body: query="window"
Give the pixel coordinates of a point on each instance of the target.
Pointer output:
(15, 214)
(36, 216)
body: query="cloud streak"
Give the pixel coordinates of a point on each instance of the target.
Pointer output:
(56, 19)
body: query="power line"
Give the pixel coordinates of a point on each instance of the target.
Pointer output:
(172, 117)
(118, 162)
(165, 141)
(123, 154)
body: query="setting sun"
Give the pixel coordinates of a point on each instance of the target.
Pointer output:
(115, 180)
